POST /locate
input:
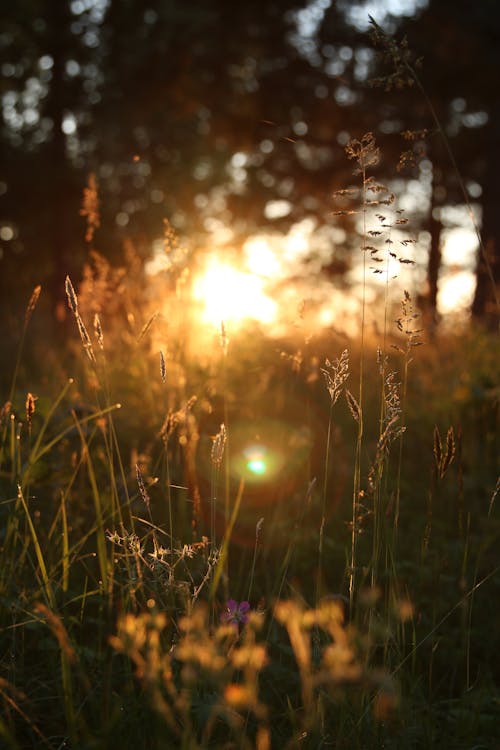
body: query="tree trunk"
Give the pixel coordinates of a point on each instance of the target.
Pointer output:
(485, 307)
(434, 263)
(428, 301)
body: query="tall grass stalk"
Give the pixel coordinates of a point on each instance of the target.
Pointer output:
(356, 490)
(121, 509)
(27, 317)
(481, 550)
(65, 546)
(405, 68)
(45, 580)
(410, 656)
(219, 448)
(67, 659)
(224, 343)
(366, 154)
(12, 699)
(34, 452)
(292, 546)
(323, 507)
(221, 564)
(399, 469)
(7, 736)
(38, 450)
(406, 325)
(258, 529)
(336, 374)
(169, 496)
(100, 512)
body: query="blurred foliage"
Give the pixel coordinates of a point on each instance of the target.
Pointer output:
(206, 116)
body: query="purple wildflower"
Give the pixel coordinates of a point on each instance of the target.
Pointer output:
(234, 613)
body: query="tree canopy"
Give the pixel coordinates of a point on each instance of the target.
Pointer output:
(227, 116)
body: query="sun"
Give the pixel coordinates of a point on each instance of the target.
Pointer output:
(231, 295)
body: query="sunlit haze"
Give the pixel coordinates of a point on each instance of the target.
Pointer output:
(274, 276)
(457, 278)
(228, 294)
(260, 258)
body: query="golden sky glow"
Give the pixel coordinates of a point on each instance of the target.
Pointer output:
(272, 277)
(457, 279)
(260, 258)
(230, 295)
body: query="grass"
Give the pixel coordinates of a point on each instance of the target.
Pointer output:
(114, 584)
(236, 551)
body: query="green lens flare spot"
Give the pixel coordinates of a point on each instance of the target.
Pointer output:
(257, 466)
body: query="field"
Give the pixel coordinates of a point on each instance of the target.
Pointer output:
(249, 382)
(240, 541)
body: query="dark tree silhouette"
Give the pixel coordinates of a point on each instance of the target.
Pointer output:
(205, 114)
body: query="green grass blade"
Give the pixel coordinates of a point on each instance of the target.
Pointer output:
(49, 593)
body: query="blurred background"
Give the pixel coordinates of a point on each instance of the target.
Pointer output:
(210, 137)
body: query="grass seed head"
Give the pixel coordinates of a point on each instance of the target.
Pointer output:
(71, 295)
(336, 374)
(98, 331)
(32, 303)
(90, 207)
(218, 445)
(30, 409)
(87, 343)
(142, 487)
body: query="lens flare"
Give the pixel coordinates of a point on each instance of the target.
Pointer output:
(256, 463)
(257, 466)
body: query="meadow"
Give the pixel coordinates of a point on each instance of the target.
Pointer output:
(237, 541)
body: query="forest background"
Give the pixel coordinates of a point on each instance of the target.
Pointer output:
(155, 100)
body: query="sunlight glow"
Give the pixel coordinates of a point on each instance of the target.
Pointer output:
(231, 295)
(457, 279)
(459, 247)
(456, 292)
(277, 280)
(260, 258)
(296, 244)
